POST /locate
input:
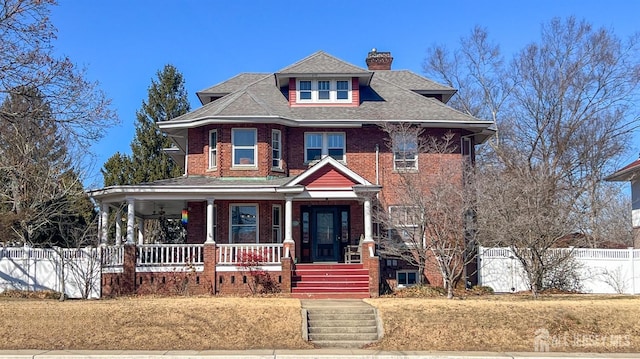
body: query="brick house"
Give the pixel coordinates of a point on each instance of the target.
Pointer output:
(287, 164)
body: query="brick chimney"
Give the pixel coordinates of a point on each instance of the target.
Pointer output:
(379, 60)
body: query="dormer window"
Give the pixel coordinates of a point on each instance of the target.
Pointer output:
(323, 91)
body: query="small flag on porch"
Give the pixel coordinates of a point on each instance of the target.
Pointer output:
(185, 217)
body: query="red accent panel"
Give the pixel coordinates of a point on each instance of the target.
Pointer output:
(355, 91)
(328, 177)
(292, 91)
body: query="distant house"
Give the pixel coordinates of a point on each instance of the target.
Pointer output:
(631, 173)
(287, 164)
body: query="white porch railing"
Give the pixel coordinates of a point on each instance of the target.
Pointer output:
(172, 256)
(235, 254)
(112, 256)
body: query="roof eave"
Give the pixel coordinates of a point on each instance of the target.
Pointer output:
(282, 78)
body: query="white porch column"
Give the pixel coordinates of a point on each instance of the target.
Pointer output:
(210, 221)
(140, 230)
(104, 222)
(118, 228)
(130, 219)
(368, 227)
(288, 219)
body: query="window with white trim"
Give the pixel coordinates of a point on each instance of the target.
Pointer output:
(320, 144)
(405, 152)
(323, 91)
(244, 147)
(405, 221)
(213, 148)
(406, 278)
(244, 223)
(304, 90)
(276, 224)
(276, 149)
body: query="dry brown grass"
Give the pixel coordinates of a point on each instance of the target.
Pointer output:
(508, 323)
(490, 323)
(151, 324)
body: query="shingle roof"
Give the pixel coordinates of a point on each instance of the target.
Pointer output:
(322, 63)
(383, 100)
(206, 181)
(411, 80)
(390, 96)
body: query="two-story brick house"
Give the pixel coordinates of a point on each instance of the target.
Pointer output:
(292, 160)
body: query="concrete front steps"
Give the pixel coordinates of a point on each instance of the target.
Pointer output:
(330, 280)
(340, 323)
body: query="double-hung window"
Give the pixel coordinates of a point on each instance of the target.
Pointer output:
(406, 221)
(320, 144)
(244, 223)
(324, 91)
(245, 149)
(304, 92)
(342, 90)
(276, 149)
(213, 149)
(405, 152)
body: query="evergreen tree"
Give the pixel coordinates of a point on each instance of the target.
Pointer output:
(39, 189)
(167, 99)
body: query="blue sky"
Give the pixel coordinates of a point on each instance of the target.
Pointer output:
(123, 43)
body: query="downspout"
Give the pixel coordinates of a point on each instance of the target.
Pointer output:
(186, 156)
(377, 165)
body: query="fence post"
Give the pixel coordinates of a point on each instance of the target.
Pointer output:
(632, 270)
(58, 259)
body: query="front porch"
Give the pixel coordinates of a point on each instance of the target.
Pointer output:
(209, 268)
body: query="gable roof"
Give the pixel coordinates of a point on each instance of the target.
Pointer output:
(323, 164)
(626, 173)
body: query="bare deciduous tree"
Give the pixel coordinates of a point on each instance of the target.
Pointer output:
(27, 61)
(563, 109)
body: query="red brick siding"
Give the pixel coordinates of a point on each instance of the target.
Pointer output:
(198, 159)
(238, 282)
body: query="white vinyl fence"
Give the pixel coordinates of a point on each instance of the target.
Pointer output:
(33, 269)
(601, 271)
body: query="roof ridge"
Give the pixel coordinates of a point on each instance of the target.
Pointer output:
(317, 53)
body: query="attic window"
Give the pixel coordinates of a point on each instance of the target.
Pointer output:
(323, 91)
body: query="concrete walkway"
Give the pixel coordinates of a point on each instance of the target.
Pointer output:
(290, 354)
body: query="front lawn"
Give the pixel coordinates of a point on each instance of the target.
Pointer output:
(487, 323)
